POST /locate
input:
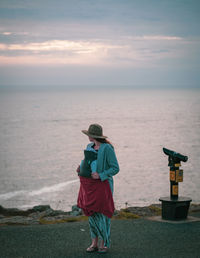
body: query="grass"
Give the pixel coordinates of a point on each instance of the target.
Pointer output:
(70, 219)
(155, 209)
(123, 214)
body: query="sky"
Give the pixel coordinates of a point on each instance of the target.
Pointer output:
(99, 43)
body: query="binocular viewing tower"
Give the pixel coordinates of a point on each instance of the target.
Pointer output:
(175, 207)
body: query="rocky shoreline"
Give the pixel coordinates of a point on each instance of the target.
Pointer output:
(44, 214)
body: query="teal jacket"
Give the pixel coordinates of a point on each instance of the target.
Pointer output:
(107, 164)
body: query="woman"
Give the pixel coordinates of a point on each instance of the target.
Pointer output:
(95, 194)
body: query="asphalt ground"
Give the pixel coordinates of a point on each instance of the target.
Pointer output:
(130, 238)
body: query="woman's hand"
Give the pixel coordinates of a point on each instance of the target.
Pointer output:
(78, 169)
(95, 175)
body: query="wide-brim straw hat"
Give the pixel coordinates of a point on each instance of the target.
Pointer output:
(95, 131)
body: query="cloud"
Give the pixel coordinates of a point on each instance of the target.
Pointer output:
(56, 45)
(134, 51)
(9, 33)
(106, 35)
(6, 33)
(55, 52)
(156, 37)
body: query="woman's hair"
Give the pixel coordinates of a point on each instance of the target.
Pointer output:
(101, 140)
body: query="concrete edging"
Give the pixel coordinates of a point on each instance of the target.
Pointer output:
(188, 220)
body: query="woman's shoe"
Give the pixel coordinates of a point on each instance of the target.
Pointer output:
(92, 249)
(103, 250)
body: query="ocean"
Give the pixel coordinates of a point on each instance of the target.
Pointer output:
(42, 144)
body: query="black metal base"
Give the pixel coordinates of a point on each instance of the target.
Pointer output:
(175, 209)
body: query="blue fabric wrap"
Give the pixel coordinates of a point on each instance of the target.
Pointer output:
(85, 168)
(100, 227)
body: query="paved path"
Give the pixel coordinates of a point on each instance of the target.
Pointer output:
(130, 238)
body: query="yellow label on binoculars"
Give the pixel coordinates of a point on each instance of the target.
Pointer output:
(176, 176)
(175, 189)
(172, 176)
(177, 165)
(179, 175)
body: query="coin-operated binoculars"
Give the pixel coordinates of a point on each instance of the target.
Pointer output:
(175, 207)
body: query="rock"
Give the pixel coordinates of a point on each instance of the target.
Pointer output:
(54, 219)
(18, 220)
(76, 211)
(35, 215)
(41, 208)
(52, 213)
(44, 214)
(75, 207)
(12, 212)
(14, 216)
(17, 212)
